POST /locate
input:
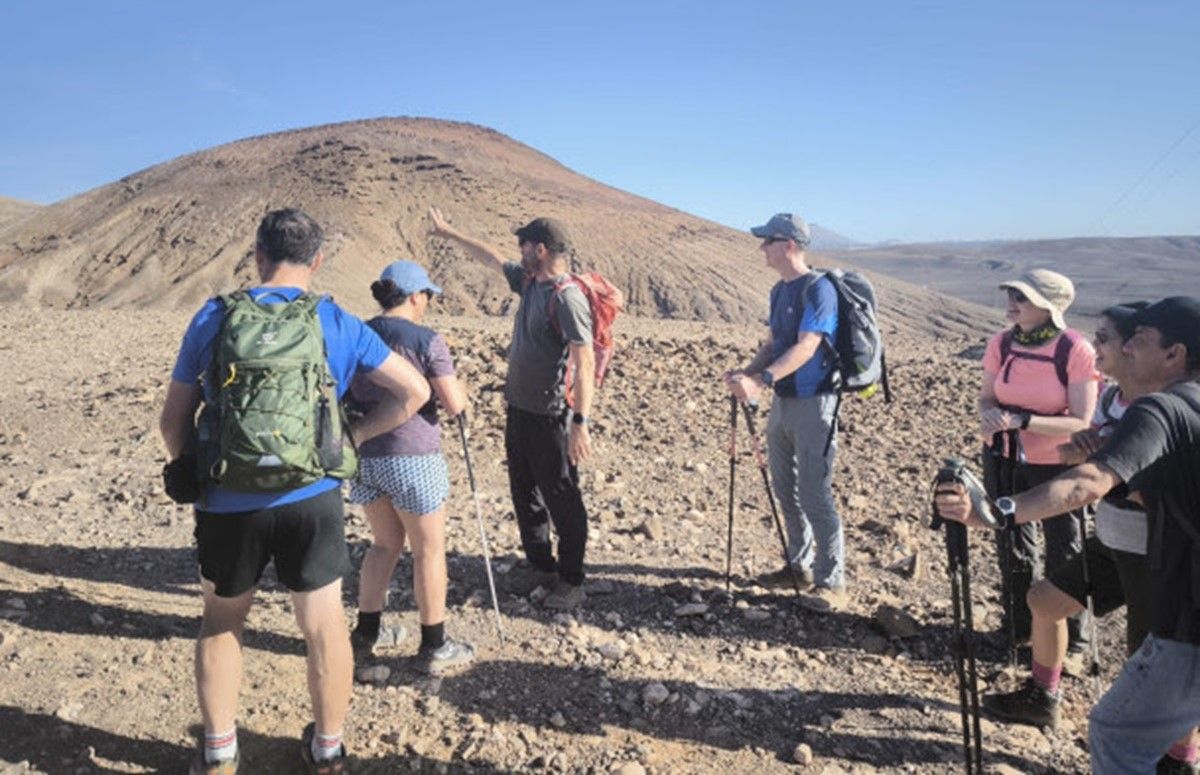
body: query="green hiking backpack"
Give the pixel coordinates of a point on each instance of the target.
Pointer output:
(275, 422)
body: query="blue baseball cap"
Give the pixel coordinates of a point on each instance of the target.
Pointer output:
(409, 276)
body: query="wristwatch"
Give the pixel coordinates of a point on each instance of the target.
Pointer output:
(1008, 511)
(578, 418)
(1025, 418)
(767, 378)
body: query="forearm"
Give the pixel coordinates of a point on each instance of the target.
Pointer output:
(585, 380)
(1078, 487)
(477, 249)
(177, 423)
(389, 413)
(794, 357)
(761, 359)
(1057, 425)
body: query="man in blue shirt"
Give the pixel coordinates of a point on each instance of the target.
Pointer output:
(301, 529)
(795, 362)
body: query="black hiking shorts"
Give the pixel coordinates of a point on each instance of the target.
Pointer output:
(306, 539)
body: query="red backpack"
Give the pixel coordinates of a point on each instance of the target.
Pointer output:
(605, 300)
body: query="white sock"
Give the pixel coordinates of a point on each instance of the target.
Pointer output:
(326, 746)
(220, 747)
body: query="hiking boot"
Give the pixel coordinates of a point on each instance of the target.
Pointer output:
(335, 766)
(390, 636)
(451, 654)
(565, 596)
(782, 578)
(1169, 765)
(1031, 704)
(200, 766)
(826, 600)
(521, 581)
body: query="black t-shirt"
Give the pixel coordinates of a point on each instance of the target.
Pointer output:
(1156, 450)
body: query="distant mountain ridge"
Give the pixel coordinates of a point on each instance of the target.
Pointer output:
(1105, 270)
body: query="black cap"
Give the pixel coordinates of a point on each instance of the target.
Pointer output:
(1177, 318)
(547, 231)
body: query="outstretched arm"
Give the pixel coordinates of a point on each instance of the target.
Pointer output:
(477, 249)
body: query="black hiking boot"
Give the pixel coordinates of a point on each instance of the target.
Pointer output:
(1171, 766)
(1031, 704)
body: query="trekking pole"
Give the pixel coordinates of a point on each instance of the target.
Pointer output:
(733, 413)
(958, 567)
(487, 559)
(1089, 594)
(1004, 445)
(760, 459)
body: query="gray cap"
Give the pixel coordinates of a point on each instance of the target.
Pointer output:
(786, 226)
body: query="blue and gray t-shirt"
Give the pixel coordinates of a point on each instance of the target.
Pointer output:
(806, 304)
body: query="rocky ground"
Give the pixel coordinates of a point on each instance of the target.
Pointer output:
(659, 672)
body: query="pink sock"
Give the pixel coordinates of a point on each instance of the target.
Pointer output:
(1184, 753)
(1047, 677)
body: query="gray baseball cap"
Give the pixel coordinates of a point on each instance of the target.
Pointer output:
(784, 225)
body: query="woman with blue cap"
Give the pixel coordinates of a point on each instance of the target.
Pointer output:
(403, 481)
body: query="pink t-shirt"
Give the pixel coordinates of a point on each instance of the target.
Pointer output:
(1034, 386)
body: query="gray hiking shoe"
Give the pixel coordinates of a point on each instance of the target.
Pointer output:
(451, 654)
(390, 636)
(1031, 704)
(782, 578)
(565, 597)
(826, 600)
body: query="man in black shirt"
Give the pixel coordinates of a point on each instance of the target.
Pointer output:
(1155, 451)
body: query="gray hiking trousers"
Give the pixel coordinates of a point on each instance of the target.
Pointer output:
(802, 478)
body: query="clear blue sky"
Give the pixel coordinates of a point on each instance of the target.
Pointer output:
(881, 120)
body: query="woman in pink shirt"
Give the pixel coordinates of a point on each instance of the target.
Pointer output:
(1040, 380)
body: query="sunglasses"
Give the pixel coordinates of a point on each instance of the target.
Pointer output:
(1016, 296)
(773, 240)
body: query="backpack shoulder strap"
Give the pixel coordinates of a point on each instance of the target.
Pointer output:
(1062, 355)
(560, 285)
(1006, 343)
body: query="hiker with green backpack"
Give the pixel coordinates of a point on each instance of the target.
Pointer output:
(560, 347)
(267, 369)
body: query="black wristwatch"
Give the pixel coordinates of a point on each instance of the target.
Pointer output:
(578, 418)
(767, 378)
(1008, 511)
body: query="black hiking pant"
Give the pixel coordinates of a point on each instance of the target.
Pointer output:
(545, 489)
(1064, 541)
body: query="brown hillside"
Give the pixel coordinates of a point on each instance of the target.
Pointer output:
(175, 233)
(13, 210)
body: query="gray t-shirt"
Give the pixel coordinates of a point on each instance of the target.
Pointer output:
(1156, 450)
(1117, 526)
(537, 358)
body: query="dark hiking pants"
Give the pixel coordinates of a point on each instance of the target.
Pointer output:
(545, 489)
(1063, 542)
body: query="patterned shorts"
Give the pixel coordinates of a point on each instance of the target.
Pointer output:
(418, 484)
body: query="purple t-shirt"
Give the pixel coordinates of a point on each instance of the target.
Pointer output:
(427, 350)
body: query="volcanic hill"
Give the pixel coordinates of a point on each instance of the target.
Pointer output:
(173, 234)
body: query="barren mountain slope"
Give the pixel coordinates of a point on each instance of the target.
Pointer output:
(13, 210)
(175, 233)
